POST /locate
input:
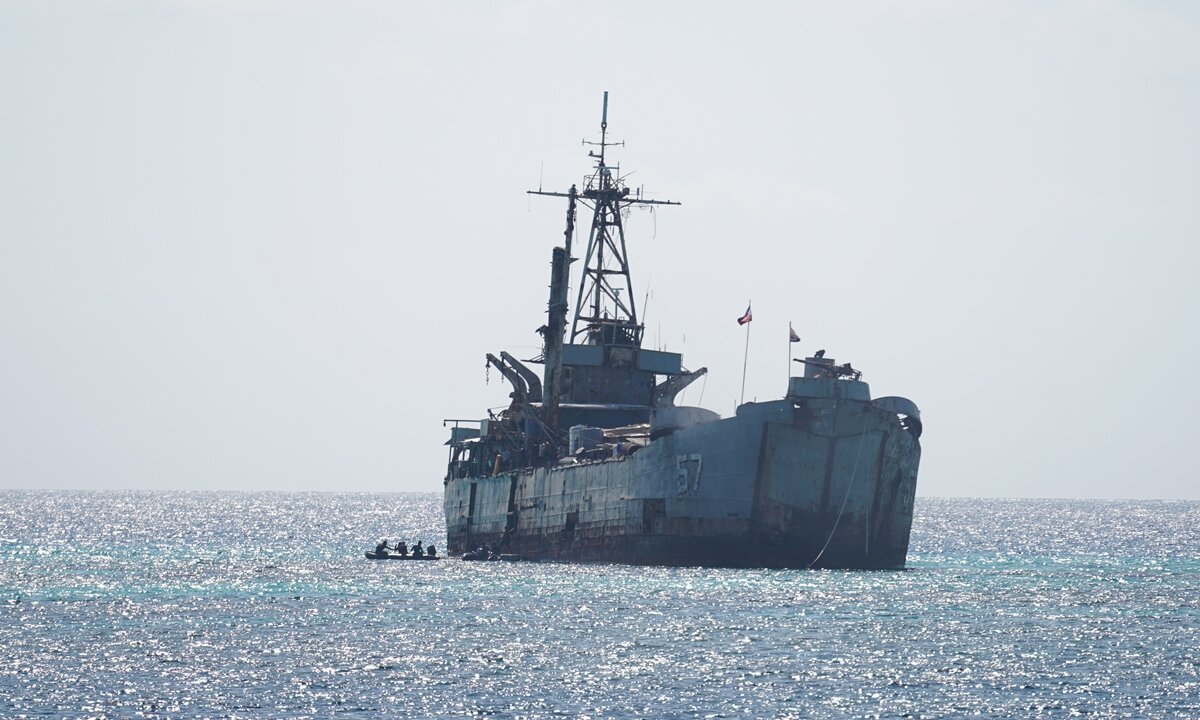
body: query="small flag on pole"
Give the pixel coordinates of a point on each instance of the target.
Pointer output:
(792, 336)
(745, 318)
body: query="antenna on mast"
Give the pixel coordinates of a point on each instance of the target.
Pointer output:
(604, 143)
(603, 127)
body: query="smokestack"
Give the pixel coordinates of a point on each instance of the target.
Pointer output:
(556, 326)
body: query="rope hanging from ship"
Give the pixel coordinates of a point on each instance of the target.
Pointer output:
(853, 474)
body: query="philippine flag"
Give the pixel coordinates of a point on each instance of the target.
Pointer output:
(745, 318)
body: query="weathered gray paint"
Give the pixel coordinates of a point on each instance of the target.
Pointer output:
(770, 487)
(662, 363)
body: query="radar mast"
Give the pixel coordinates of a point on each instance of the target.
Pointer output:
(605, 311)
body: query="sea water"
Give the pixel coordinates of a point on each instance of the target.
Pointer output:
(246, 605)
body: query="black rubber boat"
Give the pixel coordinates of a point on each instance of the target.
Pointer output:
(372, 555)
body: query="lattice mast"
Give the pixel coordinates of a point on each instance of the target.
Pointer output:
(605, 310)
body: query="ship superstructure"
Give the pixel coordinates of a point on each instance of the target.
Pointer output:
(594, 461)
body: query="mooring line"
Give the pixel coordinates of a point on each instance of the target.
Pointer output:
(854, 472)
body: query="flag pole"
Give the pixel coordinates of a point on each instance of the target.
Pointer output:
(789, 365)
(745, 357)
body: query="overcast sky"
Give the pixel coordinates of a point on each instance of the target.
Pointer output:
(266, 245)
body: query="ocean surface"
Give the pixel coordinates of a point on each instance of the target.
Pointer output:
(245, 605)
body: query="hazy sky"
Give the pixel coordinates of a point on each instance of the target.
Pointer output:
(266, 245)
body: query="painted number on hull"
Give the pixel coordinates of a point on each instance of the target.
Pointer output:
(688, 473)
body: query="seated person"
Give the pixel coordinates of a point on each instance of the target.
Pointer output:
(401, 547)
(431, 551)
(417, 550)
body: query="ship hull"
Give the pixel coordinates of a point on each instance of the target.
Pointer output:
(823, 484)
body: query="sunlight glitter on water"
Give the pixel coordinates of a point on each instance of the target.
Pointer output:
(260, 605)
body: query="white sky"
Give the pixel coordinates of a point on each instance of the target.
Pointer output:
(266, 245)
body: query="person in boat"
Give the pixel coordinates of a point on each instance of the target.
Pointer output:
(401, 548)
(382, 547)
(417, 550)
(431, 551)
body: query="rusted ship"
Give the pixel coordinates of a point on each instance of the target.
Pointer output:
(594, 460)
